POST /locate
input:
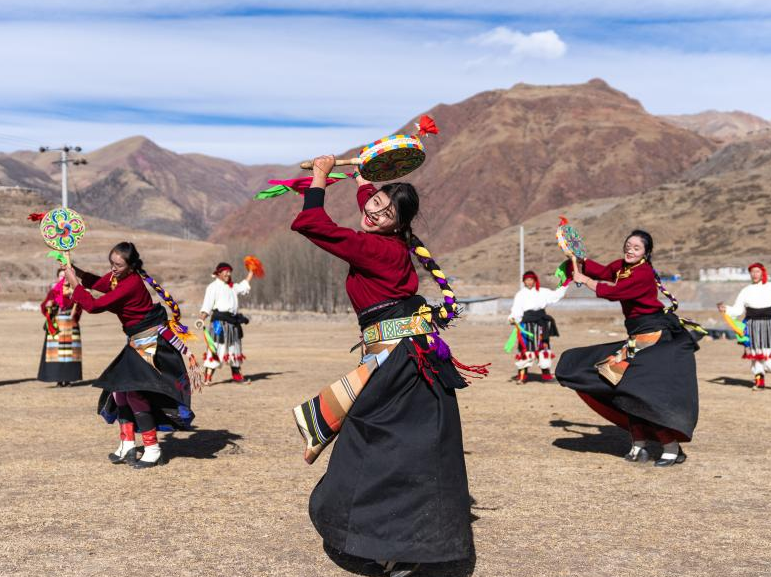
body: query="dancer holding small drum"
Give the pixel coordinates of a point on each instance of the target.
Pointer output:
(395, 489)
(646, 384)
(147, 387)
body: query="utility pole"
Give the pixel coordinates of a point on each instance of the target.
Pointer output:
(521, 255)
(64, 160)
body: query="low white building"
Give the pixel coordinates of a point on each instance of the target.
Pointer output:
(724, 274)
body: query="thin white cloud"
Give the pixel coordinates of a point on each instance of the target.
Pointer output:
(325, 69)
(545, 44)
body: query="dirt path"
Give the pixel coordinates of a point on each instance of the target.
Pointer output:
(552, 495)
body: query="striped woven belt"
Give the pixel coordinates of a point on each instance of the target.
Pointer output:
(396, 329)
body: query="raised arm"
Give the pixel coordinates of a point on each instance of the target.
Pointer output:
(313, 222)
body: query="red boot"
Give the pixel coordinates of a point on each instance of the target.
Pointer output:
(760, 383)
(546, 375)
(126, 451)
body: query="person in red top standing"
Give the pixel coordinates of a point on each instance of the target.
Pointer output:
(147, 386)
(646, 384)
(61, 360)
(395, 489)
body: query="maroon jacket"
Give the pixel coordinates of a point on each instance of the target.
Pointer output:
(129, 300)
(638, 293)
(381, 268)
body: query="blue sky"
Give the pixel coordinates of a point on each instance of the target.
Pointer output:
(277, 81)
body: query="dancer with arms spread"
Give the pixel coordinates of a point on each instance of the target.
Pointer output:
(534, 327)
(395, 489)
(220, 302)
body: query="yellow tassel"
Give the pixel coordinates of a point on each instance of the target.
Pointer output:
(176, 328)
(437, 273)
(420, 251)
(443, 313)
(448, 293)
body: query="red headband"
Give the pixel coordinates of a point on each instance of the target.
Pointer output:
(764, 278)
(533, 276)
(219, 269)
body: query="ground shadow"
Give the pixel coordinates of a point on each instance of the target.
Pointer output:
(249, 379)
(72, 384)
(359, 566)
(732, 382)
(201, 444)
(608, 439)
(15, 381)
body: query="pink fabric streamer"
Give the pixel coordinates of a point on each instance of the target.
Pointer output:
(303, 183)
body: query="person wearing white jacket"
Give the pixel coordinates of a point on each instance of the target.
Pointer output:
(528, 312)
(221, 304)
(754, 302)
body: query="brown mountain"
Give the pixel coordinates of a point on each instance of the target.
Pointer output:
(716, 219)
(137, 183)
(506, 155)
(721, 126)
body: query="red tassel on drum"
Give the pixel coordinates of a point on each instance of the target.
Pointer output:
(36, 216)
(426, 125)
(563, 221)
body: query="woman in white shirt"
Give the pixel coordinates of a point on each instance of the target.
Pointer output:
(221, 303)
(535, 326)
(754, 302)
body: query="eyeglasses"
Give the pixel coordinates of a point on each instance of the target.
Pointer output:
(386, 211)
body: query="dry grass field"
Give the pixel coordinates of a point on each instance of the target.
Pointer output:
(552, 495)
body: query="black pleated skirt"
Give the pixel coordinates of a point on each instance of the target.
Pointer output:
(165, 383)
(660, 385)
(396, 485)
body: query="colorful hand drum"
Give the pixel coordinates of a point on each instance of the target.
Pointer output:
(62, 229)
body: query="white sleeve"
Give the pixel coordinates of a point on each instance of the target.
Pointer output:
(516, 308)
(208, 300)
(242, 288)
(553, 296)
(737, 309)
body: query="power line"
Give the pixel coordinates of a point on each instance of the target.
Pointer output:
(64, 161)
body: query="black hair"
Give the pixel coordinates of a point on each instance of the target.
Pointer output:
(406, 203)
(130, 254)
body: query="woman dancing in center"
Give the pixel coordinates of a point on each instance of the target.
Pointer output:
(646, 384)
(395, 489)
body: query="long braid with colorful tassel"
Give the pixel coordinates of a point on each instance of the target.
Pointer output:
(175, 326)
(440, 316)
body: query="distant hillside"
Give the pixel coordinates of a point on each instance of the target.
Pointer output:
(506, 155)
(722, 126)
(139, 184)
(717, 219)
